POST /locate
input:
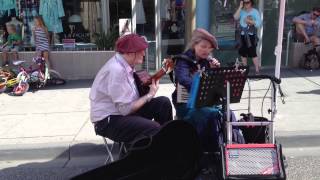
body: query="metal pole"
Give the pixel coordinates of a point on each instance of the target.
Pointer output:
(158, 33)
(278, 49)
(147, 53)
(105, 15)
(273, 113)
(260, 31)
(249, 98)
(229, 125)
(190, 19)
(278, 52)
(134, 15)
(288, 46)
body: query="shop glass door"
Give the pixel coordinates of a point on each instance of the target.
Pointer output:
(171, 15)
(143, 13)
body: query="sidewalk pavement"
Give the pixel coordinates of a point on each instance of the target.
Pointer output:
(54, 123)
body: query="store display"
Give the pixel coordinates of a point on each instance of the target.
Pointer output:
(7, 5)
(52, 11)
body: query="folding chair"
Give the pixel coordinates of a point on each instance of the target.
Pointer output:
(112, 157)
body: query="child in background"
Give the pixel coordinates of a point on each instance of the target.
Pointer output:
(41, 39)
(12, 45)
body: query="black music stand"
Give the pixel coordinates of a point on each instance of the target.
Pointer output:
(213, 85)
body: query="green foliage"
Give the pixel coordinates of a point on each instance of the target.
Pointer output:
(105, 41)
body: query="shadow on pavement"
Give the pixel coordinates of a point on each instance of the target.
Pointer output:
(68, 163)
(289, 72)
(298, 72)
(310, 92)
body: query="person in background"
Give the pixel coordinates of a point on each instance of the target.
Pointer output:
(13, 44)
(116, 109)
(308, 26)
(41, 39)
(250, 21)
(205, 120)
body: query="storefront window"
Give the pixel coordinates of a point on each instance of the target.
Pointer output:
(172, 15)
(82, 22)
(224, 27)
(76, 20)
(223, 24)
(271, 16)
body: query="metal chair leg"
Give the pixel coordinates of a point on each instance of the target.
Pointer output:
(109, 151)
(110, 158)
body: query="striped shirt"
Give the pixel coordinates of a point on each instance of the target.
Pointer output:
(41, 39)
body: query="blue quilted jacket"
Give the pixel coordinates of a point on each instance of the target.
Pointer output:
(184, 71)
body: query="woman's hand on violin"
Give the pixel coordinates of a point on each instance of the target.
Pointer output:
(154, 87)
(214, 63)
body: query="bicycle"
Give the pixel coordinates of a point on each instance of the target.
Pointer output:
(34, 76)
(22, 78)
(40, 76)
(3, 85)
(7, 79)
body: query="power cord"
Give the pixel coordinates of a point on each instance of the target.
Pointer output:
(264, 97)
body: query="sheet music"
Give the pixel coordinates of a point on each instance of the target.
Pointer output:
(182, 94)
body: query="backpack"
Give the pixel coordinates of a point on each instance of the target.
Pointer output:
(254, 134)
(311, 60)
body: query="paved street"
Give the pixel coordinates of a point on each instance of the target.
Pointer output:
(48, 134)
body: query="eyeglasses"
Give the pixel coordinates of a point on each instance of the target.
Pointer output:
(315, 14)
(246, 2)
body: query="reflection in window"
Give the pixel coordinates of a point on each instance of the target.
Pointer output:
(223, 24)
(82, 20)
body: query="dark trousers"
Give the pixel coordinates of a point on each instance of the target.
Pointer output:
(248, 46)
(128, 128)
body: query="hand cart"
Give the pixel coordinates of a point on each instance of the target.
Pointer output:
(257, 160)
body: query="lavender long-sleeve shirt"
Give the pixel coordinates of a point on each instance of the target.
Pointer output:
(113, 90)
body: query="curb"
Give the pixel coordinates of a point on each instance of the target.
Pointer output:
(97, 149)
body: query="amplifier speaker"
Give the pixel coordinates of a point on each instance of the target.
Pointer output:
(252, 161)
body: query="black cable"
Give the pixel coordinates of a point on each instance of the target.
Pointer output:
(264, 97)
(262, 105)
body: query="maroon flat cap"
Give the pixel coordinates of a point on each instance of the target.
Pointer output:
(204, 34)
(131, 43)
